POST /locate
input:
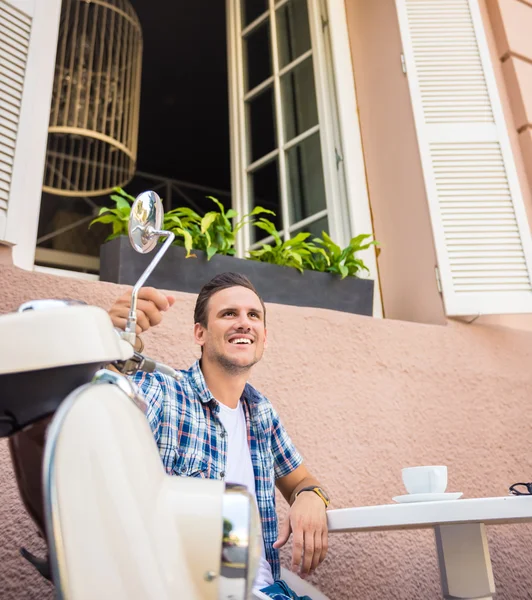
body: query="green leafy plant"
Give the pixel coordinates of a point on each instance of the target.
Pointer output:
(214, 233)
(118, 217)
(296, 252)
(340, 261)
(318, 254)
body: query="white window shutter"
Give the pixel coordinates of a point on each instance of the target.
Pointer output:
(15, 28)
(481, 231)
(28, 41)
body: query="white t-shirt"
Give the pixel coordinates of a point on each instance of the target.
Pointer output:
(239, 469)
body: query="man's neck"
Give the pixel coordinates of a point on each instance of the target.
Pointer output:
(226, 387)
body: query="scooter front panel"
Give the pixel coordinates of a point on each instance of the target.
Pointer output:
(113, 519)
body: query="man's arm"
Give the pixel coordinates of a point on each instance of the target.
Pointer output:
(306, 521)
(290, 484)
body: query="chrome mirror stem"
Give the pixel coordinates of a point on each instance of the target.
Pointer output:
(129, 333)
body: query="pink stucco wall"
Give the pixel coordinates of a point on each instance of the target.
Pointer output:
(362, 398)
(399, 205)
(512, 21)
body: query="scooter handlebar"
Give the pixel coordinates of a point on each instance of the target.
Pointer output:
(148, 365)
(140, 362)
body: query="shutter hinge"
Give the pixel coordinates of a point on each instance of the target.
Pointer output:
(324, 22)
(403, 63)
(438, 279)
(338, 157)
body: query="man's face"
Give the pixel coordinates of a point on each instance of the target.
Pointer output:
(235, 335)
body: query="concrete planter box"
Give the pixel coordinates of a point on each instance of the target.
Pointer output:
(119, 263)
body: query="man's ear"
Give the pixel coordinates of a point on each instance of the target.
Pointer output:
(265, 338)
(199, 334)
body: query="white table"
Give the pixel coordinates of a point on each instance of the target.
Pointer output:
(460, 529)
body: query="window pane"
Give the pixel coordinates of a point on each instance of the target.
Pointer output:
(251, 9)
(261, 127)
(314, 228)
(305, 175)
(293, 31)
(258, 52)
(299, 99)
(264, 191)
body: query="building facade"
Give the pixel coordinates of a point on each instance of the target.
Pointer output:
(420, 133)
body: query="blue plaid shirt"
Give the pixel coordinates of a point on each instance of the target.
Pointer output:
(183, 416)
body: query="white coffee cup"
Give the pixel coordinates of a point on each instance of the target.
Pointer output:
(425, 480)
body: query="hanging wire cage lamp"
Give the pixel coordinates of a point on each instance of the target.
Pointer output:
(93, 132)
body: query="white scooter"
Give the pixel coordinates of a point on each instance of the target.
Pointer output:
(89, 471)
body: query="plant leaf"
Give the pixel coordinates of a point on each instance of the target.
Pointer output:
(357, 240)
(218, 203)
(211, 251)
(185, 211)
(267, 226)
(123, 193)
(323, 253)
(188, 241)
(300, 237)
(123, 204)
(335, 249)
(270, 228)
(103, 219)
(260, 210)
(208, 220)
(297, 257)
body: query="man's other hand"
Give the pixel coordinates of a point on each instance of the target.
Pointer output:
(307, 521)
(151, 304)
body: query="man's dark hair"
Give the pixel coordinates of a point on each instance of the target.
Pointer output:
(216, 284)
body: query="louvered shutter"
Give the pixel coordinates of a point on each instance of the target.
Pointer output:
(15, 28)
(28, 43)
(481, 232)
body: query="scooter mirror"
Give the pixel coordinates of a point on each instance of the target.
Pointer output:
(145, 221)
(145, 228)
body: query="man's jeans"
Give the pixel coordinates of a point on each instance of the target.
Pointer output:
(280, 591)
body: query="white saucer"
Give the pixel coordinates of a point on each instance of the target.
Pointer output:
(427, 497)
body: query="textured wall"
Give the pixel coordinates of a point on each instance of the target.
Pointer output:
(512, 22)
(362, 398)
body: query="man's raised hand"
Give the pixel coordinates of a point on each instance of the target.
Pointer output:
(151, 304)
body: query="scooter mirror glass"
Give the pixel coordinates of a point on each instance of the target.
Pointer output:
(145, 220)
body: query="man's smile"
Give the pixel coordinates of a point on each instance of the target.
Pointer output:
(241, 340)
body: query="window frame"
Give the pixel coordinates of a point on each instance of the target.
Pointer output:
(347, 204)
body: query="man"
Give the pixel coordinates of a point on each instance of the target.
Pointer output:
(214, 424)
